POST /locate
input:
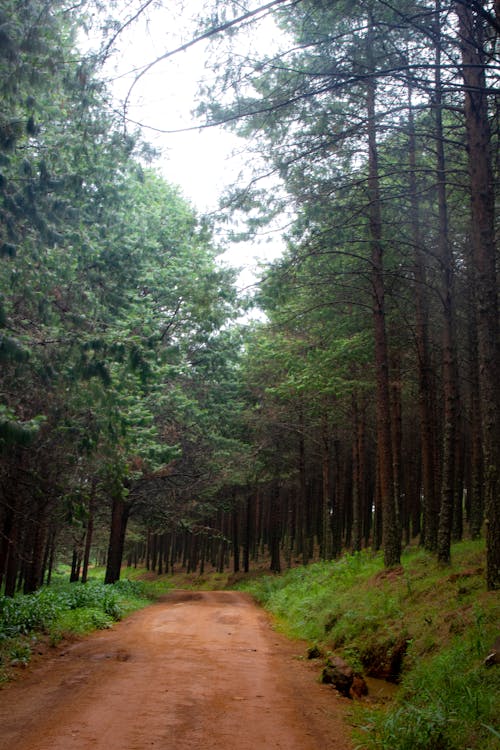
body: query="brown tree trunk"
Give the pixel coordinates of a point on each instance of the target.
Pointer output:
(357, 476)
(51, 555)
(342, 469)
(326, 527)
(247, 542)
(236, 538)
(302, 514)
(274, 525)
(390, 531)
(89, 534)
(356, 505)
(426, 397)
(12, 564)
(475, 458)
(160, 554)
(484, 257)
(6, 540)
(148, 549)
(396, 432)
(119, 518)
(450, 392)
(75, 565)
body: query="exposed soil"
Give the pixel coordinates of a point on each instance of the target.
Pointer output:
(196, 670)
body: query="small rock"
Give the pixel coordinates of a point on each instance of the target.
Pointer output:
(339, 674)
(359, 688)
(494, 655)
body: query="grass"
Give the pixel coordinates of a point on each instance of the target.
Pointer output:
(211, 581)
(64, 611)
(426, 626)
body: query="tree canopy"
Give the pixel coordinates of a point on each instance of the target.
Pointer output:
(363, 410)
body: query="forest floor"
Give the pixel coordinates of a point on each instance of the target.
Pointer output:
(195, 670)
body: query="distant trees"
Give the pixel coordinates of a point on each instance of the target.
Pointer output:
(110, 297)
(369, 115)
(363, 411)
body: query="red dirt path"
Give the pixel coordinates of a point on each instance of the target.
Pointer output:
(194, 671)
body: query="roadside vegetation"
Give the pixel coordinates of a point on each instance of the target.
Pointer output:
(422, 626)
(29, 623)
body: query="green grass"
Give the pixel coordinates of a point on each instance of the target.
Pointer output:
(444, 620)
(159, 584)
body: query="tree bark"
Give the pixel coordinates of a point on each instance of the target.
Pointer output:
(390, 531)
(326, 527)
(89, 534)
(274, 523)
(236, 537)
(119, 518)
(426, 398)
(450, 392)
(484, 257)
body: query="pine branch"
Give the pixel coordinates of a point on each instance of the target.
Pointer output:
(206, 35)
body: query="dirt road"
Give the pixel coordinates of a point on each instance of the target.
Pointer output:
(195, 671)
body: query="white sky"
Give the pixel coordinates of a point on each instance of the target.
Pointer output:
(203, 163)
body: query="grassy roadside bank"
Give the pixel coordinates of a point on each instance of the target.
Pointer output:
(427, 628)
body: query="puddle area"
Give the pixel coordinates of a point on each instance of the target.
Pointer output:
(381, 690)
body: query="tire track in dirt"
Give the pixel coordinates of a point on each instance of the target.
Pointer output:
(196, 670)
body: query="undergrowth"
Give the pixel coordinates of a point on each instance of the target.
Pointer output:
(440, 622)
(209, 581)
(59, 611)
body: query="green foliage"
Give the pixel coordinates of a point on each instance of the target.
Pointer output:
(42, 610)
(447, 702)
(115, 306)
(311, 601)
(80, 622)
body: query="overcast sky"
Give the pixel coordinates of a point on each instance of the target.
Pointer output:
(203, 163)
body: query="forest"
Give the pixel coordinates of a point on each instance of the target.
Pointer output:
(145, 416)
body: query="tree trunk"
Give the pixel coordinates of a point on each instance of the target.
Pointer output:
(356, 477)
(119, 518)
(248, 533)
(426, 398)
(475, 485)
(390, 531)
(302, 505)
(236, 537)
(12, 564)
(6, 540)
(484, 256)
(274, 522)
(89, 534)
(75, 565)
(326, 527)
(396, 432)
(450, 392)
